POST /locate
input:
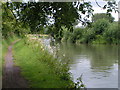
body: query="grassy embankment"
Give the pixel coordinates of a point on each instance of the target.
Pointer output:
(40, 68)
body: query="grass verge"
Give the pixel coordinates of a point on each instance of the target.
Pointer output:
(40, 68)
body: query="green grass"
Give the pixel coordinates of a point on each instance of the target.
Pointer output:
(40, 68)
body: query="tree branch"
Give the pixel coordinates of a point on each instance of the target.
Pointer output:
(98, 4)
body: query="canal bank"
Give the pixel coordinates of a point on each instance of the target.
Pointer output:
(39, 68)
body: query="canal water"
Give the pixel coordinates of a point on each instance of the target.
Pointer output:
(98, 64)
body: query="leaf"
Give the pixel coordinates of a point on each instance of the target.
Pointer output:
(83, 11)
(104, 6)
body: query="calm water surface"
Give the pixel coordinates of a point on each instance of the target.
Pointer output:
(98, 64)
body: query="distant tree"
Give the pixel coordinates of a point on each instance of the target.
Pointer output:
(101, 16)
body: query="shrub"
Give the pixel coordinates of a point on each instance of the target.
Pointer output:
(78, 33)
(66, 35)
(99, 40)
(88, 35)
(112, 34)
(100, 26)
(72, 38)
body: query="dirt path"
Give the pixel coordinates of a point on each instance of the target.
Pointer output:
(11, 74)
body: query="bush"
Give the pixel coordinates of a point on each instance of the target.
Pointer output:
(100, 26)
(78, 33)
(72, 38)
(99, 40)
(88, 35)
(66, 35)
(112, 34)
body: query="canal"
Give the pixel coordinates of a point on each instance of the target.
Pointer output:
(98, 64)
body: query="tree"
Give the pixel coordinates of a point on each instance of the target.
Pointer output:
(8, 21)
(9, 24)
(101, 16)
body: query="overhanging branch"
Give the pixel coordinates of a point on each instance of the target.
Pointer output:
(98, 4)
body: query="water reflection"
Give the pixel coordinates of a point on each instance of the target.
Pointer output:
(97, 63)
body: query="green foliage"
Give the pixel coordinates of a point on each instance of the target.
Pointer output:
(100, 26)
(112, 34)
(10, 25)
(72, 38)
(101, 32)
(102, 16)
(8, 21)
(66, 34)
(88, 35)
(78, 33)
(79, 84)
(99, 40)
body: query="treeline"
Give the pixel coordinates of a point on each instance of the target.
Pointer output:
(102, 31)
(22, 18)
